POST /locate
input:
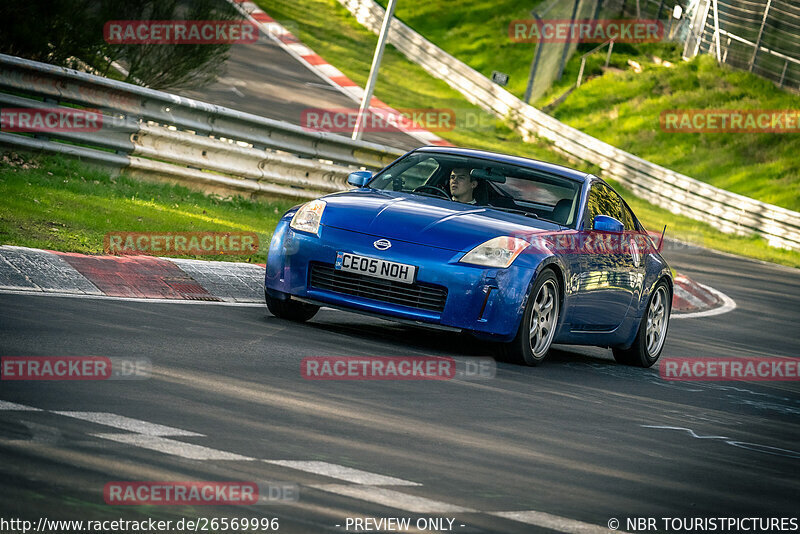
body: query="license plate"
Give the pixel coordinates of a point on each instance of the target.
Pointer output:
(388, 270)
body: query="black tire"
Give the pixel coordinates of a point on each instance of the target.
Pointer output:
(523, 349)
(290, 309)
(642, 353)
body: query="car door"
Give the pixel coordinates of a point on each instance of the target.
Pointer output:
(607, 279)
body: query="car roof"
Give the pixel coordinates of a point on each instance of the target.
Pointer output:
(551, 168)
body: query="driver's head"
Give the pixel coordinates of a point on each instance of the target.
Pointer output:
(462, 184)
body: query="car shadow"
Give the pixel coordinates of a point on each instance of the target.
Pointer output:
(397, 337)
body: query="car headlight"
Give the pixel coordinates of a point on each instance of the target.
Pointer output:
(499, 252)
(308, 217)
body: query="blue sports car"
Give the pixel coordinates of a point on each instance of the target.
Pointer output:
(509, 249)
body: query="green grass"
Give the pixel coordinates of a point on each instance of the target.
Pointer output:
(623, 108)
(691, 231)
(61, 204)
(476, 32)
(330, 30)
(75, 215)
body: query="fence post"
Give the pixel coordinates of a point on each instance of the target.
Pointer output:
(697, 28)
(566, 45)
(760, 34)
(716, 31)
(783, 74)
(534, 65)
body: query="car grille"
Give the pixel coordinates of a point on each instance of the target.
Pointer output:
(421, 296)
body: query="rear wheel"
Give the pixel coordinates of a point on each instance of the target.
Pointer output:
(290, 309)
(539, 322)
(652, 332)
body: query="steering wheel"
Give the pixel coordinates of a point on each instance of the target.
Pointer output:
(438, 190)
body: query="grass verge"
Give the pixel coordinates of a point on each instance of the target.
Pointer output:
(62, 204)
(622, 107)
(330, 30)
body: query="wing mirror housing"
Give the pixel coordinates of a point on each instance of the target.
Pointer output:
(604, 223)
(359, 178)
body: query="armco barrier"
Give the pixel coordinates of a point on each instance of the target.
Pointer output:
(681, 194)
(160, 134)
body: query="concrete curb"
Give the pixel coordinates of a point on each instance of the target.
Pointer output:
(28, 270)
(330, 74)
(130, 277)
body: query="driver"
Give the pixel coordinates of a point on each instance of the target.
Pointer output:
(462, 185)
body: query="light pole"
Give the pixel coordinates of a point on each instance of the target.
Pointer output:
(373, 71)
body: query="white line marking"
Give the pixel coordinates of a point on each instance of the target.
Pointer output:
(357, 476)
(728, 304)
(392, 499)
(6, 405)
(170, 446)
(776, 451)
(756, 447)
(39, 292)
(554, 522)
(689, 430)
(126, 423)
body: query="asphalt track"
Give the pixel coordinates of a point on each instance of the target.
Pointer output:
(570, 444)
(263, 79)
(573, 438)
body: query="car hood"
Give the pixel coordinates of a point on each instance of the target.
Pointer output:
(425, 220)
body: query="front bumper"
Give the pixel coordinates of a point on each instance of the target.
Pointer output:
(482, 300)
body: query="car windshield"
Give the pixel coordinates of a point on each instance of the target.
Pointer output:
(484, 182)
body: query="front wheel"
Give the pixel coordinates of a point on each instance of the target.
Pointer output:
(539, 322)
(290, 309)
(649, 340)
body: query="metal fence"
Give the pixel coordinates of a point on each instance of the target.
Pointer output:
(663, 187)
(163, 135)
(760, 36)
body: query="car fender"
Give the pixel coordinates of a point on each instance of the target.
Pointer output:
(656, 268)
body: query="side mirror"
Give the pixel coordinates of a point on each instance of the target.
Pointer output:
(359, 178)
(604, 223)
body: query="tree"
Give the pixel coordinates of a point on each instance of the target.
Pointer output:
(70, 33)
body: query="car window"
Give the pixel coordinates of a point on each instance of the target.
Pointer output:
(602, 201)
(536, 192)
(415, 173)
(500, 185)
(627, 218)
